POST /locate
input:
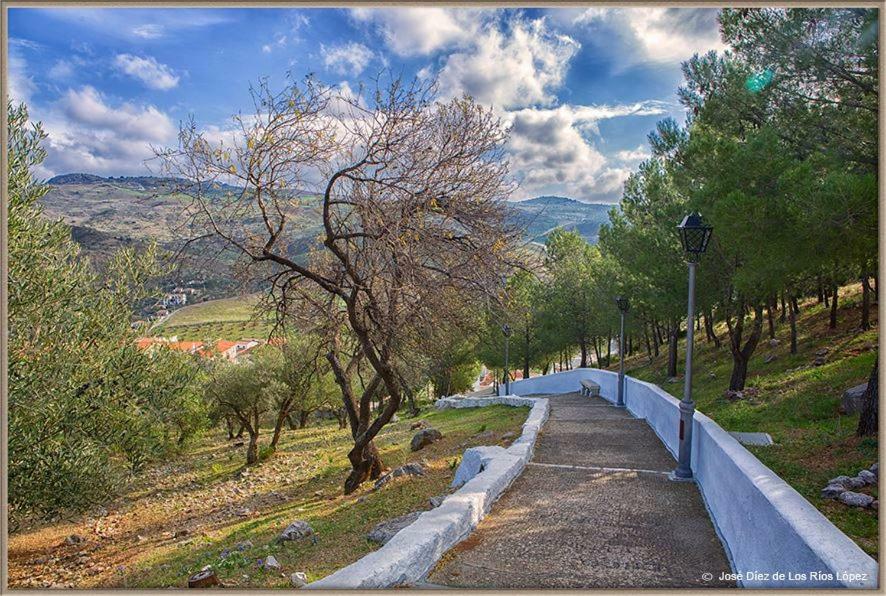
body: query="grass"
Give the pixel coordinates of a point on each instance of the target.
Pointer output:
(209, 493)
(797, 403)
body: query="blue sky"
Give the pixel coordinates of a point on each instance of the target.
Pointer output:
(580, 87)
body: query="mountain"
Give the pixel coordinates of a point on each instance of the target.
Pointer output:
(542, 215)
(109, 213)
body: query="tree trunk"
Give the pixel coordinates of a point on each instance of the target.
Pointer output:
(673, 331)
(526, 356)
(793, 318)
(835, 294)
(741, 355)
(229, 426)
(820, 292)
(867, 422)
(865, 302)
(366, 465)
(709, 329)
(609, 350)
(282, 416)
(303, 418)
(827, 302)
(252, 449)
(783, 315)
(646, 340)
(771, 321)
(597, 353)
(795, 305)
(583, 344)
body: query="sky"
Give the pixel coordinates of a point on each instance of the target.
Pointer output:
(580, 88)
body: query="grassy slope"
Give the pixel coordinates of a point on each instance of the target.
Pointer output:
(227, 318)
(797, 404)
(205, 492)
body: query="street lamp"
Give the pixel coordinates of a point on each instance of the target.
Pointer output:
(695, 235)
(506, 330)
(623, 306)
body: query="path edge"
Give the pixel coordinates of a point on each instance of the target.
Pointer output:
(414, 551)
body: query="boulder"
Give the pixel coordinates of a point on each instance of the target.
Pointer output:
(769, 358)
(418, 424)
(855, 499)
(773, 343)
(832, 491)
(733, 395)
(875, 468)
(297, 530)
(299, 579)
(867, 476)
(271, 563)
(410, 469)
(386, 530)
(853, 399)
(822, 352)
(425, 437)
(847, 482)
(819, 361)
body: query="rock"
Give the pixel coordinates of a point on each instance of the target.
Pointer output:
(853, 399)
(751, 392)
(418, 424)
(242, 546)
(272, 563)
(180, 533)
(508, 436)
(773, 343)
(74, 539)
(733, 395)
(410, 469)
(140, 538)
(436, 501)
(854, 483)
(394, 419)
(875, 468)
(712, 375)
(297, 530)
(855, 499)
(483, 436)
(203, 579)
(847, 482)
(769, 358)
(875, 505)
(386, 530)
(425, 437)
(298, 579)
(867, 476)
(822, 352)
(819, 361)
(832, 491)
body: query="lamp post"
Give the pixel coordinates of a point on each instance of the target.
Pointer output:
(506, 330)
(695, 235)
(623, 306)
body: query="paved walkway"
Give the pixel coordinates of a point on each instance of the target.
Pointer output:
(593, 509)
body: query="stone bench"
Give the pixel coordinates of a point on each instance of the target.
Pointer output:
(590, 388)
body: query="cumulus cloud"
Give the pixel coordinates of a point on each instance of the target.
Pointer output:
(150, 72)
(350, 58)
(420, 31)
(518, 67)
(20, 84)
(86, 133)
(62, 69)
(552, 152)
(657, 34)
(637, 154)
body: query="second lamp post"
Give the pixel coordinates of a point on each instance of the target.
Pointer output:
(506, 331)
(623, 306)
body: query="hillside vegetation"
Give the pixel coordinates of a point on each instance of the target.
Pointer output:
(796, 402)
(226, 318)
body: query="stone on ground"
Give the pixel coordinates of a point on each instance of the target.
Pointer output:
(297, 530)
(853, 399)
(299, 579)
(272, 563)
(386, 530)
(410, 469)
(855, 499)
(868, 477)
(832, 491)
(425, 437)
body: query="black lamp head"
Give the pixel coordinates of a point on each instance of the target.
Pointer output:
(506, 329)
(695, 234)
(622, 303)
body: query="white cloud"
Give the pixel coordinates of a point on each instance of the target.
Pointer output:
(88, 134)
(350, 58)
(552, 153)
(421, 31)
(21, 85)
(518, 67)
(62, 69)
(657, 34)
(637, 154)
(150, 72)
(148, 31)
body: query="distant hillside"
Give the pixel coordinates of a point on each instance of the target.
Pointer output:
(108, 213)
(542, 215)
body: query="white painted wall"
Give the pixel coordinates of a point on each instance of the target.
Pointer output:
(766, 525)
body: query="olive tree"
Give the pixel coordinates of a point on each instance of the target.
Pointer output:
(410, 192)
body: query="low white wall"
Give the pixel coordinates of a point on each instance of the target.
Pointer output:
(413, 551)
(773, 536)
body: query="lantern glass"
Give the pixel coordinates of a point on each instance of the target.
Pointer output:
(622, 303)
(506, 330)
(695, 234)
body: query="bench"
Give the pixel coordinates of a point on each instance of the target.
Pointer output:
(590, 388)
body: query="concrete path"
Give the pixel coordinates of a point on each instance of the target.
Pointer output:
(593, 509)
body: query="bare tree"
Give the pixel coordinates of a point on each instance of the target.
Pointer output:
(411, 195)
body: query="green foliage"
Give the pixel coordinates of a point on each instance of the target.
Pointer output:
(85, 406)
